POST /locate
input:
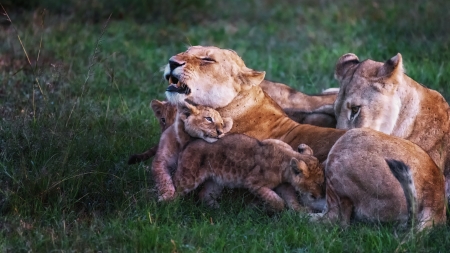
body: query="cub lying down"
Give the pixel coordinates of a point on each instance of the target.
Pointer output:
(360, 184)
(192, 121)
(241, 161)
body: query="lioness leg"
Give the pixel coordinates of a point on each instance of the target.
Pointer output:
(210, 193)
(338, 208)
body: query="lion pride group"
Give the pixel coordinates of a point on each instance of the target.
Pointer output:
(374, 149)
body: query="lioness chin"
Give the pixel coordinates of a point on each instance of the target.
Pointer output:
(382, 97)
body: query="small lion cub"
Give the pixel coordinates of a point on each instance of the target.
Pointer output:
(241, 161)
(165, 113)
(192, 121)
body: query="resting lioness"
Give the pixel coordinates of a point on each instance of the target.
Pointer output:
(315, 110)
(218, 78)
(192, 121)
(237, 160)
(380, 96)
(359, 183)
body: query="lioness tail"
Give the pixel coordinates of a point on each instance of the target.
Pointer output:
(402, 172)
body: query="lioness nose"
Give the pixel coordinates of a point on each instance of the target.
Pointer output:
(174, 63)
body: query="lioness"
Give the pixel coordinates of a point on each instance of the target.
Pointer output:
(192, 121)
(237, 160)
(315, 110)
(381, 96)
(359, 182)
(165, 113)
(218, 78)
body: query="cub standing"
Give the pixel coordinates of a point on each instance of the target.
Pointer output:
(241, 161)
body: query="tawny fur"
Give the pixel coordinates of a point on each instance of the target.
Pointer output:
(165, 113)
(201, 122)
(218, 78)
(239, 161)
(360, 185)
(315, 110)
(384, 98)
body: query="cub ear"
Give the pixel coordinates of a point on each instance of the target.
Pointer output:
(250, 78)
(344, 63)
(299, 168)
(227, 124)
(305, 149)
(188, 108)
(157, 107)
(392, 67)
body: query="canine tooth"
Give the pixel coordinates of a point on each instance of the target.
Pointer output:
(170, 79)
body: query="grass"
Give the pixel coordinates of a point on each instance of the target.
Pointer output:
(64, 182)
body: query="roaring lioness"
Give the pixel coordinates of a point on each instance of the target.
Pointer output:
(315, 110)
(218, 78)
(382, 97)
(237, 160)
(360, 184)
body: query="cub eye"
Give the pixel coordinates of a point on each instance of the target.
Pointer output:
(209, 119)
(354, 111)
(208, 59)
(163, 120)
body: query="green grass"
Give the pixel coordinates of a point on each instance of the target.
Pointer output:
(64, 182)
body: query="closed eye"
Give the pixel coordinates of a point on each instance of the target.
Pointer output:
(209, 119)
(208, 59)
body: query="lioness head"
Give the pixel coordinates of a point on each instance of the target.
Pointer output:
(208, 76)
(367, 95)
(203, 122)
(165, 112)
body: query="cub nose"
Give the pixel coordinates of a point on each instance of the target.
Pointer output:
(174, 63)
(219, 132)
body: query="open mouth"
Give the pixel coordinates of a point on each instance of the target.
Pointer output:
(175, 85)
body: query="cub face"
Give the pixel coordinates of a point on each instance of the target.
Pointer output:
(306, 173)
(367, 95)
(164, 112)
(208, 76)
(204, 122)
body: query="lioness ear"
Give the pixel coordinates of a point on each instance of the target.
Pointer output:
(392, 68)
(252, 77)
(344, 63)
(299, 167)
(157, 107)
(227, 124)
(305, 149)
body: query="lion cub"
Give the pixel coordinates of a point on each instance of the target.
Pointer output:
(241, 161)
(192, 121)
(165, 113)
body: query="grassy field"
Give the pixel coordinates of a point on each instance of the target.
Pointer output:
(74, 104)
